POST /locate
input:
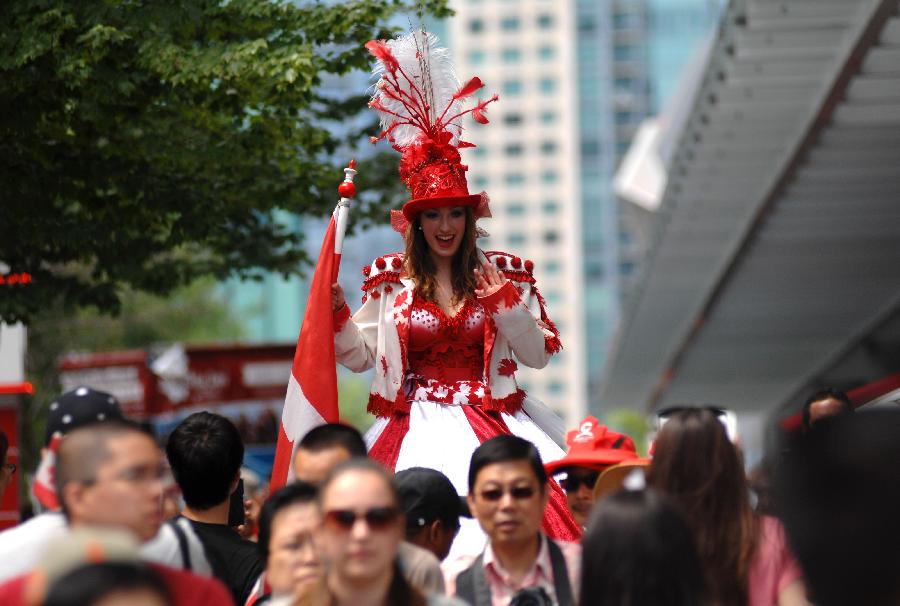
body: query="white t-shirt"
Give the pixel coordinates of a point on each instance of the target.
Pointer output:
(23, 546)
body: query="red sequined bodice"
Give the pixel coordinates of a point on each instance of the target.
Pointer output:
(446, 355)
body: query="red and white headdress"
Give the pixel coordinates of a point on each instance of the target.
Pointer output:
(420, 102)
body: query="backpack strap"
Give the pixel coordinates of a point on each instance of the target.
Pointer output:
(471, 584)
(182, 543)
(561, 584)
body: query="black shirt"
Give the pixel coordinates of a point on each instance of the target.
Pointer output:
(235, 561)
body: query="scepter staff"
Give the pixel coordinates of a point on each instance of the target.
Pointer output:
(312, 394)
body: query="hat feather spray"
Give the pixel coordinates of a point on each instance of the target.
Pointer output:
(421, 105)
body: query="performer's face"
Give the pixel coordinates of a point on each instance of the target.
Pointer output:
(444, 229)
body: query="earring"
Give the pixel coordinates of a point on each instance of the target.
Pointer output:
(420, 228)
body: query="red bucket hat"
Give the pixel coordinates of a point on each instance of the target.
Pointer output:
(594, 445)
(420, 103)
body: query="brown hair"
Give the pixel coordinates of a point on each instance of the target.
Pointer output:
(400, 591)
(696, 465)
(420, 267)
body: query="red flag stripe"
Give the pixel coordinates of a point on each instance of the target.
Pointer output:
(312, 397)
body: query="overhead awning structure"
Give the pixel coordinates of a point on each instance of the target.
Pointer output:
(778, 239)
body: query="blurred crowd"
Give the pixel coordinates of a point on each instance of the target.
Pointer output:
(127, 521)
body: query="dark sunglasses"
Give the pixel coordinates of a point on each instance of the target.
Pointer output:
(377, 518)
(519, 493)
(571, 483)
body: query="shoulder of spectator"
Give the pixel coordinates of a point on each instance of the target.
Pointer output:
(451, 570)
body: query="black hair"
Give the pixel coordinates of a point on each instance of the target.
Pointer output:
(205, 452)
(638, 550)
(4, 446)
(829, 393)
(502, 449)
(89, 584)
(838, 494)
(292, 494)
(333, 435)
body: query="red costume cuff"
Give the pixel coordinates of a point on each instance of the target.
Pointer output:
(340, 317)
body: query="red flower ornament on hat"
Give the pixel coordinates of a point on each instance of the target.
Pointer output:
(420, 102)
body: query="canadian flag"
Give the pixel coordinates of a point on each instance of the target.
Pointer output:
(312, 395)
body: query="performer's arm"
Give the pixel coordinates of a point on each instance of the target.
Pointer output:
(532, 340)
(355, 336)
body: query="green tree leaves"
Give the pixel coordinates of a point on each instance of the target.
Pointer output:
(145, 144)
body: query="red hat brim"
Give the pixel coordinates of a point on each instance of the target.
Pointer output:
(412, 208)
(595, 459)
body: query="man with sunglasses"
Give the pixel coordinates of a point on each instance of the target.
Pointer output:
(508, 492)
(593, 448)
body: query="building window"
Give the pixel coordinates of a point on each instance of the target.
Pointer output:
(476, 57)
(545, 21)
(512, 87)
(480, 151)
(548, 117)
(552, 267)
(511, 55)
(587, 24)
(549, 176)
(547, 85)
(548, 147)
(546, 52)
(516, 239)
(555, 387)
(551, 237)
(626, 268)
(509, 24)
(515, 209)
(514, 178)
(476, 26)
(480, 181)
(590, 148)
(513, 149)
(550, 207)
(512, 119)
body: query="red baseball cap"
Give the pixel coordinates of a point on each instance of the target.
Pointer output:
(594, 445)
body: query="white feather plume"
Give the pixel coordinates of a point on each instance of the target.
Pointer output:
(430, 68)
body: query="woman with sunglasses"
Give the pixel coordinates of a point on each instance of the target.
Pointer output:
(358, 540)
(444, 325)
(745, 557)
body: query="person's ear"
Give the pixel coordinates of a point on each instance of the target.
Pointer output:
(74, 495)
(545, 495)
(435, 531)
(234, 483)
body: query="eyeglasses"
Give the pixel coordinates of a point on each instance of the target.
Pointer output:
(519, 493)
(377, 518)
(572, 482)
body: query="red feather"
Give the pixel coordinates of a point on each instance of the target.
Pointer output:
(464, 144)
(479, 116)
(381, 52)
(470, 87)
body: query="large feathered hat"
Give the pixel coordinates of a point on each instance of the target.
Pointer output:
(421, 105)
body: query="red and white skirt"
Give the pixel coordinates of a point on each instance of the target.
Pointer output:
(444, 436)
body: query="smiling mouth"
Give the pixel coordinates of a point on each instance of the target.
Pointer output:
(445, 240)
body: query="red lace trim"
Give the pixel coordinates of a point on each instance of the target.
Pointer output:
(518, 276)
(382, 407)
(552, 344)
(381, 278)
(511, 404)
(449, 325)
(340, 317)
